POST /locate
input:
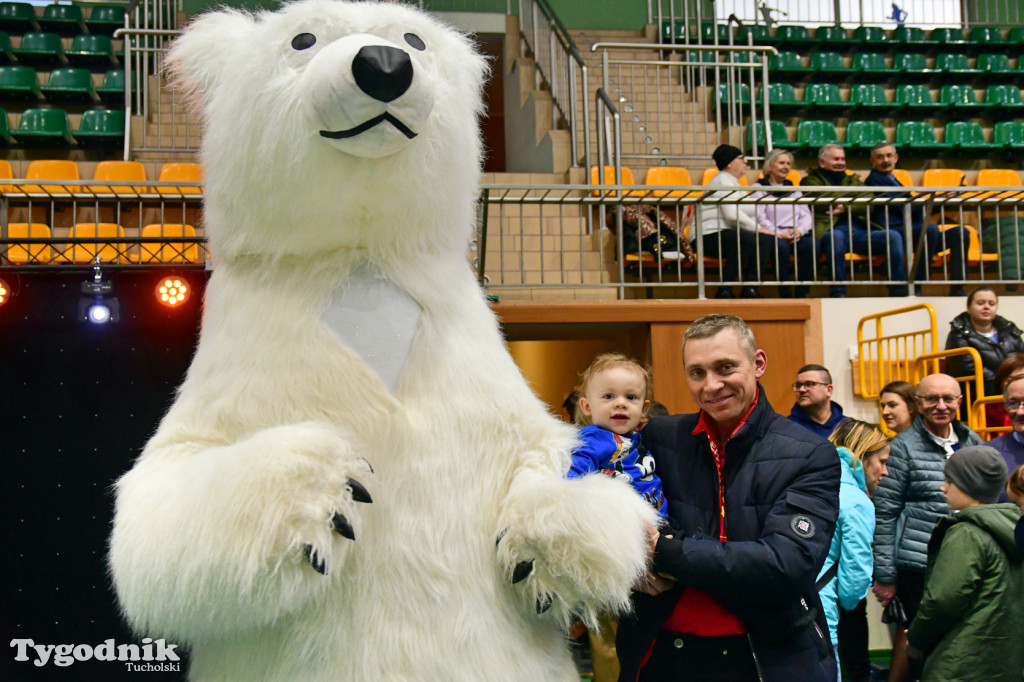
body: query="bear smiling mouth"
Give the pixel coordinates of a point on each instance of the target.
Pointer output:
(366, 125)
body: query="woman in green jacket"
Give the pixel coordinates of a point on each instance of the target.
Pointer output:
(970, 623)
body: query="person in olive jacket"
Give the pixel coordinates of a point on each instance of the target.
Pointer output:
(753, 499)
(970, 624)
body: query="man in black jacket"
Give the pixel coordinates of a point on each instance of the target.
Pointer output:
(753, 500)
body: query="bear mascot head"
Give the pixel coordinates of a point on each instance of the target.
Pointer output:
(354, 481)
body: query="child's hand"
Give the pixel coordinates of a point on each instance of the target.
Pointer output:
(653, 584)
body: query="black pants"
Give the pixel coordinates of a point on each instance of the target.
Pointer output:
(852, 631)
(747, 255)
(699, 659)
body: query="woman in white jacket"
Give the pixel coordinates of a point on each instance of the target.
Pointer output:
(730, 230)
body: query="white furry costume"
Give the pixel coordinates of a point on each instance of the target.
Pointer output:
(343, 327)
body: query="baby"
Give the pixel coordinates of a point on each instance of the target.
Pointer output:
(614, 397)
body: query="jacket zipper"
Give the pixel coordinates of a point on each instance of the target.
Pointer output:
(757, 663)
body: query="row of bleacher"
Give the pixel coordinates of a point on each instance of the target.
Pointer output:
(39, 127)
(1000, 101)
(178, 243)
(872, 66)
(49, 50)
(111, 173)
(64, 19)
(911, 137)
(62, 86)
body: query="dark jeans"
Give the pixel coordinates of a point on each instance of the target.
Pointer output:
(844, 237)
(852, 631)
(804, 264)
(699, 659)
(746, 254)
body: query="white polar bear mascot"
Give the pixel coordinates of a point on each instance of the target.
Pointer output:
(355, 482)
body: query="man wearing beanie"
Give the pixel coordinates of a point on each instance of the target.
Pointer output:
(970, 623)
(730, 231)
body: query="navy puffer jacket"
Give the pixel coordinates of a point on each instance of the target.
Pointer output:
(909, 501)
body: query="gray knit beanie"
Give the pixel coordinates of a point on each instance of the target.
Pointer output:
(979, 471)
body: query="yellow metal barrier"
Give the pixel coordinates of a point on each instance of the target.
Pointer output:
(891, 357)
(973, 384)
(978, 416)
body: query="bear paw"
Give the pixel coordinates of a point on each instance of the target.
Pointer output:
(340, 524)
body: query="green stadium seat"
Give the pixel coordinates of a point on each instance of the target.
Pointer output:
(966, 136)
(1016, 35)
(910, 97)
(101, 127)
(5, 128)
(780, 96)
(740, 92)
(18, 17)
(823, 96)
(105, 19)
(92, 51)
(909, 34)
(953, 63)
(43, 50)
(743, 57)
(833, 35)
(917, 136)
(870, 64)
(870, 96)
(19, 84)
(111, 91)
(959, 97)
(1003, 100)
(6, 53)
(707, 34)
(1008, 134)
(911, 64)
(761, 34)
(864, 134)
(870, 35)
(67, 20)
(787, 63)
(43, 127)
(813, 134)
(793, 35)
(988, 36)
(70, 86)
(947, 36)
(780, 138)
(828, 65)
(994, 63)
(670, 36)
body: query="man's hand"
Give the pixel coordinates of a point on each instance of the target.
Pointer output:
(654, 584)
(884, 593)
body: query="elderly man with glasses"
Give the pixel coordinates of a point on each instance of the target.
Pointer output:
(814, 409)
(909, 501)
(1011, 445)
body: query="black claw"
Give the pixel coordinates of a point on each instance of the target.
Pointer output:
(501, 535)
(522, 570)
(368, 465)
(359, 493)
(342, 527)
(544, 603)
(314, 560)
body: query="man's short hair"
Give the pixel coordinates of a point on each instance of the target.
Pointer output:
(824, 149)
(880, 145)
(816, 368)
(711, 325)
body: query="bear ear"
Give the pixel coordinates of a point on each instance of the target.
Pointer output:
(199, 57)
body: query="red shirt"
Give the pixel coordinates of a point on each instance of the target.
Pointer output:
(697, 612)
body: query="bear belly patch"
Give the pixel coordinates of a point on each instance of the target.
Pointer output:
(376, 319)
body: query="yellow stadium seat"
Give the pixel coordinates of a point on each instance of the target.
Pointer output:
(28, 253)
(943, 177)
(998, 177)
(51, 169)
(667, 175)
(180, 172)
(108, 252)
(159, 252)
(609, 178)
(119, 171)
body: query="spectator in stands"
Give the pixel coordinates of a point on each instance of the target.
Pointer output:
(863, 453)
(1011, 445)
(791, 223)
(730, 230)
(841, 231)
(1015, 492)
(898, 406)
(814, 408)
(909, 501)
(890, 216)
(979, 327)
(970, 624)
(1008, 369)
(741, 603)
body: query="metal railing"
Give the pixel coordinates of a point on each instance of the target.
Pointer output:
(923, 13)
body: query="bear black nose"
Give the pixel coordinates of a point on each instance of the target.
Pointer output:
(384, 73)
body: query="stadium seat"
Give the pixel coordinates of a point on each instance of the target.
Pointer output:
(707, 33)
(101, 127)
(760, 33)
(870, 64)
(741, 93)
(987, 36)
(943, 177)
(6, 52)
(667, 175)
(915, 98)
(1003, 100)
(43, 50)
(828, 65)
(917, 136)
(25, 253)
(65, 20)
(108, 252)
(711, 172)
(911, 64)
(105, 19)
(995, 65)
(909, 34)
(953, 63)
(787, 63)
(6, 174)
(870, 96)
(5, 128)
(835, 36)
(903, 176)
(966, 136)
(869, 35)
(51, 169)
(92, 51)
(810, 135)
(111, 91)
(793, 35)
(780, 96)
(673, 33)
(43, 127)
(191, 172)
(162, 252)
(998, 177)
(1016, 35)
(70, 86)
(119, 171)
(824, 97)
(780, 138)
(962, 98)
(864, 134)
(18, 17)
(19, 84)
(1008, 134)
(947, 36)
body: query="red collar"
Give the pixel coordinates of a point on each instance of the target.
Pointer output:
(706, 424)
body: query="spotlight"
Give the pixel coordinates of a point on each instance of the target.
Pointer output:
(98, 306)
(173, 291)
(5, 292)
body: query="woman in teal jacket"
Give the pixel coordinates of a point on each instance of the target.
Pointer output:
(863, 452)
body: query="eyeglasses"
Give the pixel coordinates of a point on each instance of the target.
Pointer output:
(1013, 405)
(808, 384)
(932, 400)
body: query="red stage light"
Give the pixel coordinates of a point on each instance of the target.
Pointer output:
(173, 291)
(5, 292)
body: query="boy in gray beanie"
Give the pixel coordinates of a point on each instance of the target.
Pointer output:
(970, 624)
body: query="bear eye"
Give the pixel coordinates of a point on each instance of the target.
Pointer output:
(415, 41)
(303, 41)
